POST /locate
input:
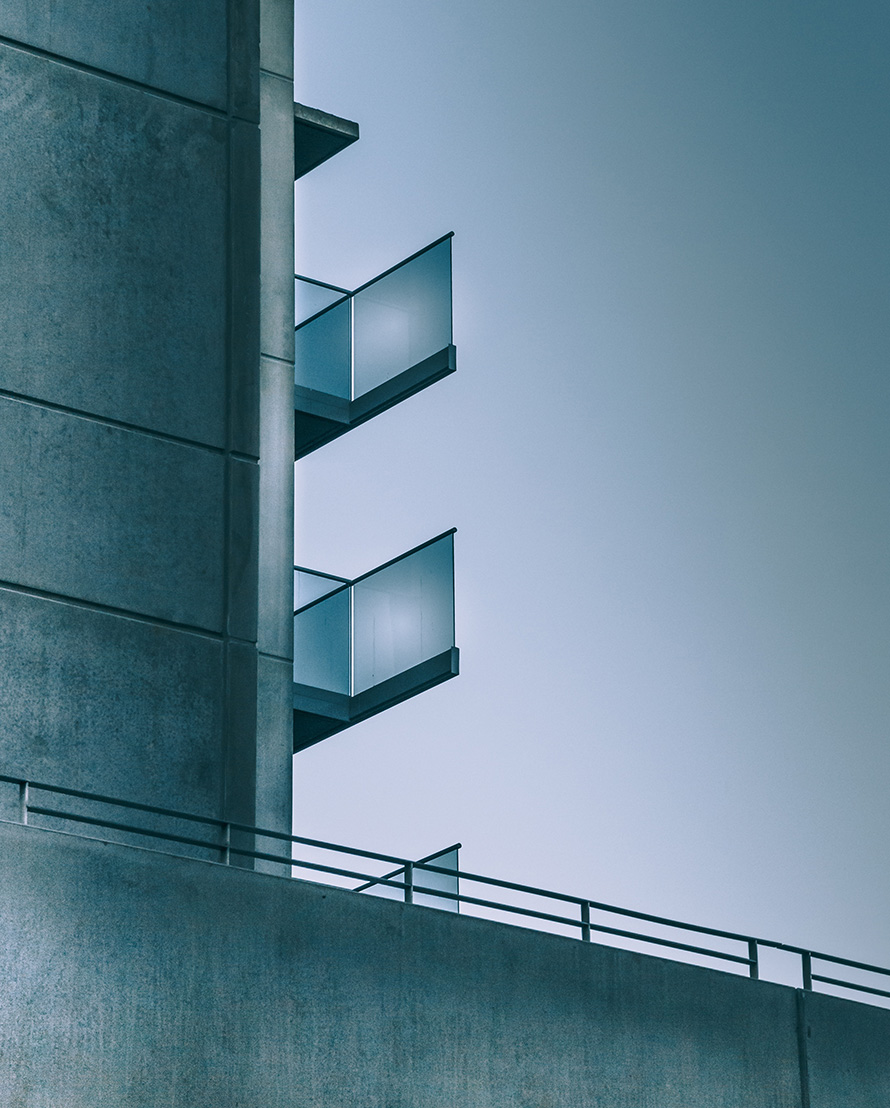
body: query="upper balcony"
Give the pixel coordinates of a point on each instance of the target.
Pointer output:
(362, 646)
(359, 353)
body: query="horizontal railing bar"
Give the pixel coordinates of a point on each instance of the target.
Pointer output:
(347, 295)
(320, 867)
(322, 311)
(321, 599)
(848, 962)
(209, 821)
(407, 554)
(424, 862)
(850, 985)
(723, 955)
(379, 880)
(95, 821)
(320, 573)
(99, 798)
(438, 854)
(321, 845)
(377, 569)
(824, 957)
(532, 891)
(442, 894)
(321, 284)
(404, 261)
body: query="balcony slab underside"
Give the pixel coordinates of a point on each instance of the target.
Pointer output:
(318, 136)
(320, 417)
(319, 713)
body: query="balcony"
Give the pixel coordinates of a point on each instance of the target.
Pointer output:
(362, 646)
(359, 353)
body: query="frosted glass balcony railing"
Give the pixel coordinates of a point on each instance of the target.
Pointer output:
(362, 645)
(358, 634)
(358, 353)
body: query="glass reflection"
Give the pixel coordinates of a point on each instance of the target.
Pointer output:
(322, 352)
(402, 318)
(403, 614)
(321, 644)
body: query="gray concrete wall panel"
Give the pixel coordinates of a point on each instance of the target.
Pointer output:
(112, 288)
(275, 616)
(274, 743)
(218, 988)
(277, 217)
(848, 1053)
(244, 70)
(242, 523)
(277, 37)
(240, 731)
(94, 701)
(244, 269)
(116, 517)
(167, 44)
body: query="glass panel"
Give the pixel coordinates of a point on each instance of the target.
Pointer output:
(403, 614)
(403, 318)
(309, 586)
(386, 892)
(311, 298)
(446, 882)
(322, 358)
(321, 644)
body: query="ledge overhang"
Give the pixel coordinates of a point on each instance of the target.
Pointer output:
(319, 714)
(319, 136)
(319, 418)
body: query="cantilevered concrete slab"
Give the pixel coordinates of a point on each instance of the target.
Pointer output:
(319, 136)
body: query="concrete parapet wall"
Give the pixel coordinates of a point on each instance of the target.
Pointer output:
(132, 978)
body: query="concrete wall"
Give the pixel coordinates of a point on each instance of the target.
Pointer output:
(131, 436)
(135, 979)
(275, 630)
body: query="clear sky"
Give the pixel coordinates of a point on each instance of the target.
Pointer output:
(666, 448)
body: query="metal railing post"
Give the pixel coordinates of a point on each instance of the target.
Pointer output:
(585, 921)
(806, 967)
(23, 801)
(409, 883)
(227, 842)
(752, 959)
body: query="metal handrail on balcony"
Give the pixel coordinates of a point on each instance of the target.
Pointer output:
(396, 323)
(354, 635)
(230, 840)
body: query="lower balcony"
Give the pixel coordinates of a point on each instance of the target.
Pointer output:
(365, 645)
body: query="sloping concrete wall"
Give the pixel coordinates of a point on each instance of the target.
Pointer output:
(134, 979)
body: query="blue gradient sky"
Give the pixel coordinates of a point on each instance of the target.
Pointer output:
(666, 448)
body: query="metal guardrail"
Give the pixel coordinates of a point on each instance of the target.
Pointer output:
(231, 841)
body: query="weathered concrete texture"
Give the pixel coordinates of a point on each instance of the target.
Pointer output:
(113, 283)
(276, 547)
(243, 486)
(277, 216)
(848, 1053)
(244, 277)
(175, 982)
(112, 516)
(274, 743)
(277, 37)
(175, 46)
(110, 705)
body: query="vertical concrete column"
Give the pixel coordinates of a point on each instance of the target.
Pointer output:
(274, 706)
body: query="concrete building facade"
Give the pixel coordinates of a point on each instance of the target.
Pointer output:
(151, 407)
(145, 400)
